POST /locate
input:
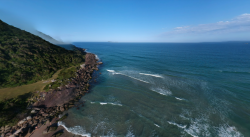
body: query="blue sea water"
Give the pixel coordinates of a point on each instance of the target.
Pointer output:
(166, 89)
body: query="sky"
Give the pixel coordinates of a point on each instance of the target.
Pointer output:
(132, 20)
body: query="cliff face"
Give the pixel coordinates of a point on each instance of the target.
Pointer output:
(78, 86)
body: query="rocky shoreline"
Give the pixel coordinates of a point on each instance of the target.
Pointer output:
(50, 105)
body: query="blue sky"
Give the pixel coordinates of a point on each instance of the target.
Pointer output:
(132, 20)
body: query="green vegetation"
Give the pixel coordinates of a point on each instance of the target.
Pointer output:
(13, 92)
(64, 77)
(26, 58)
(12, 110)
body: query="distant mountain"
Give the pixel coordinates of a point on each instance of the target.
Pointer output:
(54, 41)
(48, 38)
(26, 58)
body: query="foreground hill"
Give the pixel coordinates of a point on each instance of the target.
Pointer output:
(26, 58)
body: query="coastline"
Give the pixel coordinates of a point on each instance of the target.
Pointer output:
(44, 114)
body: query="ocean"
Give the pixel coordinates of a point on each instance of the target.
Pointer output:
(166, 89)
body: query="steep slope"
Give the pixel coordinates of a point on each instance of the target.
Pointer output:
(54, 41)
(26, 58)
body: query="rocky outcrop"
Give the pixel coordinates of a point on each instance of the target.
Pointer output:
(53, 103)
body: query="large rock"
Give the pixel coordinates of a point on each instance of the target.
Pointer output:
(99, 63)
(33, 111)
(7, 127)
(62, 108)
(18, 131)
(45, 114)
(28, 118)
(36, 108)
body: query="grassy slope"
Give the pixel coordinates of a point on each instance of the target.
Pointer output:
(12, 92)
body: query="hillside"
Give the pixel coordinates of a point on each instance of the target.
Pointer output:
(26, 58)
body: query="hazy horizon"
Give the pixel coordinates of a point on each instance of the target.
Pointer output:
(132, 21)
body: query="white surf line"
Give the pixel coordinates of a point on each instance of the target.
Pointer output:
(115, 104)
(179, 98)
(103, 103)
(112, 71)
(136, 78)
(109, 70)
(153, 75)
(178, 125)
(96, 57)
(77, 130)
(106, 103)
(156, 125)
(162, 91)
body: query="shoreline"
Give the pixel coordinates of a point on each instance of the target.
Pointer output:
(44, 114)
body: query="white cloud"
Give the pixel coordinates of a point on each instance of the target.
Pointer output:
(238, 24)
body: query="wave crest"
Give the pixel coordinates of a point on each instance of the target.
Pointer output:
(162, 91)
(153, 75)
(77, 130)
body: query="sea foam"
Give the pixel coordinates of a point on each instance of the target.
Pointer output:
(96, 57)
(162, 91)
(179, 98)
(105, 103)
(156, 125)
(178, 125)
(114, 72)
(153, 75)
(77, 130)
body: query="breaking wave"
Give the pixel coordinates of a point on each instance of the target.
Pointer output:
(105, 103)
(179, 98)
(227, 131)
(77, 130)
(156, 125)
(96, 57)
(161, 91)
(178, 125)
(153, 75)
(113, 72)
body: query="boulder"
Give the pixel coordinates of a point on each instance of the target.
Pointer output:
(7, 127)
(36, 108)
(28, 118)
(33, 111)
(31, 122)
(45, 114)
(61, 108)
(99, 63)
(21, 122)
(18, 131)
